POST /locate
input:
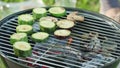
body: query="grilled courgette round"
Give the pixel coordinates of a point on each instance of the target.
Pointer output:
(39, 12)
(18, 37)
(65, 24)
(62, 33)
(57, 11)
(22, 49)
(24, 29)
(47, 26)
(48, 18)
(40, 36)
(25, 19)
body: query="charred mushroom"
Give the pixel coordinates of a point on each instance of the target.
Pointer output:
(75, 17)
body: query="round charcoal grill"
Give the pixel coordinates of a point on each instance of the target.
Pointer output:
(56, 53)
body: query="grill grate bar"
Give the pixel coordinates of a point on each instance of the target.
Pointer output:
(91, 29)
(112, 52)
(99, 25)
(52, 60)
(109, 36)
(24, 61)
(106, 31)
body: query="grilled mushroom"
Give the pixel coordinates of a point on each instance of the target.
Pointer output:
(74, 17)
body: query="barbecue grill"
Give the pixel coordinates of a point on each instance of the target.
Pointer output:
(57, 53)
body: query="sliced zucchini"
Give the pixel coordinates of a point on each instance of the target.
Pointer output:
(57, 11)
(40, 36)
(18, 37)
(48, 18)
(24, 29)
(47, 26)
(22, 49)
(65, 24)
(39, 12)
(25, 19)
(62, 33)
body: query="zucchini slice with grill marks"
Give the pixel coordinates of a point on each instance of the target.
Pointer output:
(22, 49)
(40, 36)
(18, 37)
(48, 18)
(57, 11)
(25, 19)
(39, 12)
(24, 29)
(62, 33)
(47, 26)
(65, 24)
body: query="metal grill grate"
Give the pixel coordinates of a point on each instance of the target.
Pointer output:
(55, 53)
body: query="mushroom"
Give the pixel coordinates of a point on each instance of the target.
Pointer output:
(75, 17)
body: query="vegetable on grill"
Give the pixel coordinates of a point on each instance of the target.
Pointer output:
(40, 36)
(24, 29)
(25, 19)
(18, 37)
(65, 24)
(57, 11)
(47, 26)
(62, 33)
(48, 18)
(22, 49)
(73, 16)
(39, 12)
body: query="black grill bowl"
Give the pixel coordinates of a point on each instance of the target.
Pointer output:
(46, 54)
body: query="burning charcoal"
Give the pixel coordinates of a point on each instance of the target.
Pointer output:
(109, 59)
(109, 45)
(89, 64)
(95, 43)
(85, 36)
(70, 41)
(92, 34)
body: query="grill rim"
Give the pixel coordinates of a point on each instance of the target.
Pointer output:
(68, 9)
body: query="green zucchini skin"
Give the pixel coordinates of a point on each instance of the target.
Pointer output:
(38, 39)
(24, 29)
(39, 12)
(49, 29)
(25, 19)
(22, 53)
(58, 11)
(13, 40)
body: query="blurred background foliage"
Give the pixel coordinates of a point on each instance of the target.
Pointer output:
(10, 6)
(92, 5)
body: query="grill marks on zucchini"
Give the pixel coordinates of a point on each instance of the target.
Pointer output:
(48, 18)
(24, 29)
(22, 49)
(62, 33)
(47, 26)
(25, 19)
(40, 36)
(18, 37)
(39, 12)
(57, 11)
(65, 24)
